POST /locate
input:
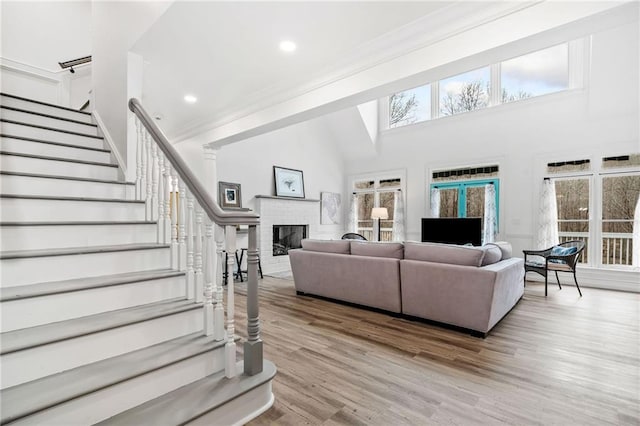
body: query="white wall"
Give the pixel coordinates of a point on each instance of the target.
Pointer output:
(35, 37)
(306, 146)
(602, 119)
(115, 28)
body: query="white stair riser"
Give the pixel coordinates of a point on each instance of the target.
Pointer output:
(13, 163)
(12, 129)
(241, 410)
(49, 150)
(55, 123)
(60, 236)
(27, 185)
(103, 404)
(20, 209)
(42, 310)
(30, 364)
(34, 270)
(45, 109)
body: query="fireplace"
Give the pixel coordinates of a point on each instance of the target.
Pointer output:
(286, 237)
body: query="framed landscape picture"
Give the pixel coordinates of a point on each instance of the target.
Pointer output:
(289, 182)
(229, 196)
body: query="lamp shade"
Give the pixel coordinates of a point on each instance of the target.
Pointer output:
(379, 213)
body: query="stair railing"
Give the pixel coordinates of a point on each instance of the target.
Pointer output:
(186, 215)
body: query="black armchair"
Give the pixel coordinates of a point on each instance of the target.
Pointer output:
(353, 236)
(560, 258)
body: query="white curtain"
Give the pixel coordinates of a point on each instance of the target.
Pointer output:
(435, 202)
(636, 236)
(353, 215)
(548, 216)
(398, 217)
(490, 215)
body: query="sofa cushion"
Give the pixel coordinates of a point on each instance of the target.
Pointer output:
(327, 246)
(444, 253)
(377, 249)
(492, 254)
(505, 248)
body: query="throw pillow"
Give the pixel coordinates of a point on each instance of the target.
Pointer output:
(562, 251)
(492, 254)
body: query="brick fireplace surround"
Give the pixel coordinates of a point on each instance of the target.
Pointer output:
(283, 211)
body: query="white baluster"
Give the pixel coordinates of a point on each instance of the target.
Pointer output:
(210, 273)
(190, 242)
(167, 201)
(150, 162)
(173, 199)
(230, 346)
(198, 256)
(138, 159)
(161, 193)
(156, 180)
(182, 226)
(218, 316)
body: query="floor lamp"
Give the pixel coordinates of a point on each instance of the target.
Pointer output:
(378, 213)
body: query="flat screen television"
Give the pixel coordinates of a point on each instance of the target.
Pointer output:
(449, 230)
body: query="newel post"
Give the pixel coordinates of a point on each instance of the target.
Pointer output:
(253, 345)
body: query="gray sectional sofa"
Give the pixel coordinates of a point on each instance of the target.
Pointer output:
(468, 287)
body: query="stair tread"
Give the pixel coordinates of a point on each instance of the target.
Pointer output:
(28, 398)
(53, 129)
(44, 176)
(26, 338)
(20, 254)
(193, 400)
(8, 294)
(41, 114)
(68, 145)
(66, 160)
(43, 103)
(89, 223)
(54, 197)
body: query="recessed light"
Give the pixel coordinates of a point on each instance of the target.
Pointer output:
(190, 99)
(287, 46)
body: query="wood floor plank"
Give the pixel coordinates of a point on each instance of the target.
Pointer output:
(556, 360)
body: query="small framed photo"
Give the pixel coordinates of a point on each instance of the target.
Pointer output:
(289, 182)
(229, 196)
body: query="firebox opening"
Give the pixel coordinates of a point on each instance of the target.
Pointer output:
(286, 237)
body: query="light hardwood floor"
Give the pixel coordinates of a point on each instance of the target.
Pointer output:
(561, 360)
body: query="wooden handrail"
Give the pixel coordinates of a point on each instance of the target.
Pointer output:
(210, 207)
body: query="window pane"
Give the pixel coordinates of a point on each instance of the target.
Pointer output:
(619, 198)
(464, 92)
(390, 183)
(386, 225)
(621, 161)
(410, 106)
(365, 184)
(475, 201)
(365, 223)
(449, 202)
(572, 197)
(569, 166)
(535, 74)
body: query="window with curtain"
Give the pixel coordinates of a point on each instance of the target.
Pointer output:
(462, 191)
(607, 224)
(376, 192)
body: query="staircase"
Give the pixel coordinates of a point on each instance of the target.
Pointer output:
(97, 326)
